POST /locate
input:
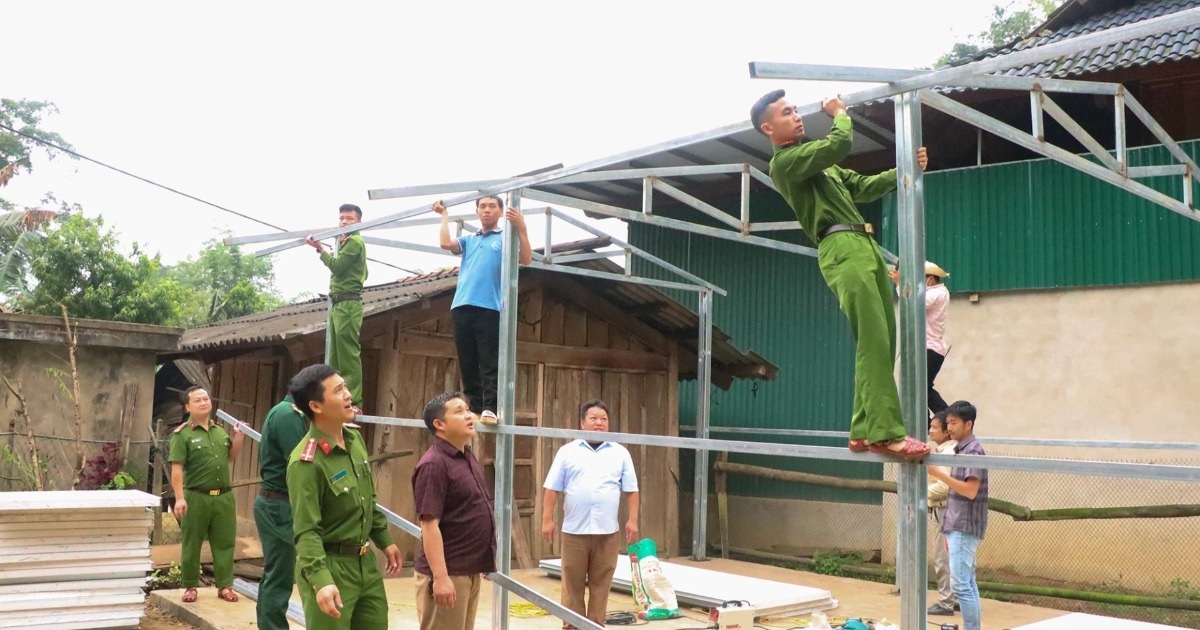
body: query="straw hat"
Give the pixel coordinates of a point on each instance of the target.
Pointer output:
(934, 270)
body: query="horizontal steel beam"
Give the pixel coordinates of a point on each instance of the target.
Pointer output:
(954, 75)
(416, 247)
(570, 258)
(616, 277)
(1018, 137)
(554, 608)
(641, 253)
(1025, 84)
(775, 226)
(1157, 171)
(664, 222)
(1116, 444)
(818, 72)
(841, 453)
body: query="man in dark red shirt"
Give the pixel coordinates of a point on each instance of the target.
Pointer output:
(458, 539)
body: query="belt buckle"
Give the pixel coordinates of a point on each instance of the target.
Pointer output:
(214, 493)
(868, 228)
(362, 551)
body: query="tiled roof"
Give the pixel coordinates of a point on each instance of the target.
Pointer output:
(1155, 49)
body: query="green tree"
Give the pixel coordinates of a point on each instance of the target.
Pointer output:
(1009, 23)
(222, 283)
(79, 264)
(16, 150)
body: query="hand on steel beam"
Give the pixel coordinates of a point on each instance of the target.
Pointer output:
(515, 217)
(922, 158)
(438, 207)
(833, 106)
(314, 244)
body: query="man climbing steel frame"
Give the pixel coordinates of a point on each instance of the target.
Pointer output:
(823, 194)
(200, 453)
(348, 271)
(334, 513)
(283, 429)
(476, 305)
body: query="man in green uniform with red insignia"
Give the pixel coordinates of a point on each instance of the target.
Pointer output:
(348, 273)
(333, 511)
(283, 429)
(200, 453)
(823, 194)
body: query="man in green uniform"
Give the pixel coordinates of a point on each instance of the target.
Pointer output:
(333, 511)
(349, 272)
(200, 454)
(823, 194)
(281, 432)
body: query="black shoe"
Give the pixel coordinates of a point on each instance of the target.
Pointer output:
(957, 607)
(938, 609)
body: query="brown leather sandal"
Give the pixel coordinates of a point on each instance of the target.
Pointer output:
(189, 595)
(227, 594)
(912, 449)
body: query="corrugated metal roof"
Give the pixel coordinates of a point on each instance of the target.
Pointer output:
(1174, 46)
(647, 304)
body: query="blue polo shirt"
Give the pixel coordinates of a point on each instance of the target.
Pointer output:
(591, 481)
(479, 273)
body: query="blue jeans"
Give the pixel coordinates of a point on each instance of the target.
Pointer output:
(963, 547)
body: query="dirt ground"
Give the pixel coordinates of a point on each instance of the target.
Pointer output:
(159, 619)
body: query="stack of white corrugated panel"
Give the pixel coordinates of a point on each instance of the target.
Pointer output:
(74, 559)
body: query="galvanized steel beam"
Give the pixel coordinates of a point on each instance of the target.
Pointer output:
(506, 415)
(507, 583)
(703, 409)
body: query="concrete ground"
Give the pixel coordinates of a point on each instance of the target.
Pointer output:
(857, 598)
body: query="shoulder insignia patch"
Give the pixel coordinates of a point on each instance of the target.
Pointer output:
(180, 427)
(326, 446)
(310, 450)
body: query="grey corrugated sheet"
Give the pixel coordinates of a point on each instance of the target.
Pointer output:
(1174, 46)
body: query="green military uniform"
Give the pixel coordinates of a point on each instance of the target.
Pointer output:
(283, 429)
(334, 515)
(349, 269)
(204, 453)
(822, 195)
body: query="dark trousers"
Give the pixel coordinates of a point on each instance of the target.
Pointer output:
(477, 337)
(933, 361)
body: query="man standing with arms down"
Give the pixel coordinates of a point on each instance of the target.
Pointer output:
(823, 195)
(937, 307)
(966, 517)
(458, 538)
(477, 298)
(592, 475)
(283, 429)
(333, 512)
(937, 494)
(348, 271)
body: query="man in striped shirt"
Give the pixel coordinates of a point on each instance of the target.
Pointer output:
(966, 516)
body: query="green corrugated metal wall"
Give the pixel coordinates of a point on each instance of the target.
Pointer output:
(1040, 224)
(778, 306)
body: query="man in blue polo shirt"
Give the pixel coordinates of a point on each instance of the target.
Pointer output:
(476, 306)
(592, 474)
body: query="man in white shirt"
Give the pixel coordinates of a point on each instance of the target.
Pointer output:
(593, 475)
(937, 307)
(938, 494)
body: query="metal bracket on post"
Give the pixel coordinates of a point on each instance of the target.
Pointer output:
(703, 409)
(911, 571)
(1122, 149)
(506, 414)
(1038, 128)
(648, 195)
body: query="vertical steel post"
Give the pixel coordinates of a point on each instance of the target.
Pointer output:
(703, 402)
(1035, 110)
(1119, 130)
(979, 147)
(911, 523)
(506, 394)
(648, 195)
(745, 200)
(329, 314)
(549, 238)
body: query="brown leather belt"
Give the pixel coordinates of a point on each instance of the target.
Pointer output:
(272, 494)
(340, 549)
(861, 228)
(338, 298)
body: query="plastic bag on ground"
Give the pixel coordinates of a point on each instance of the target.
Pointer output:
(651, 589)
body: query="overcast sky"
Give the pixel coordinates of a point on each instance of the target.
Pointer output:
(284, 113)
